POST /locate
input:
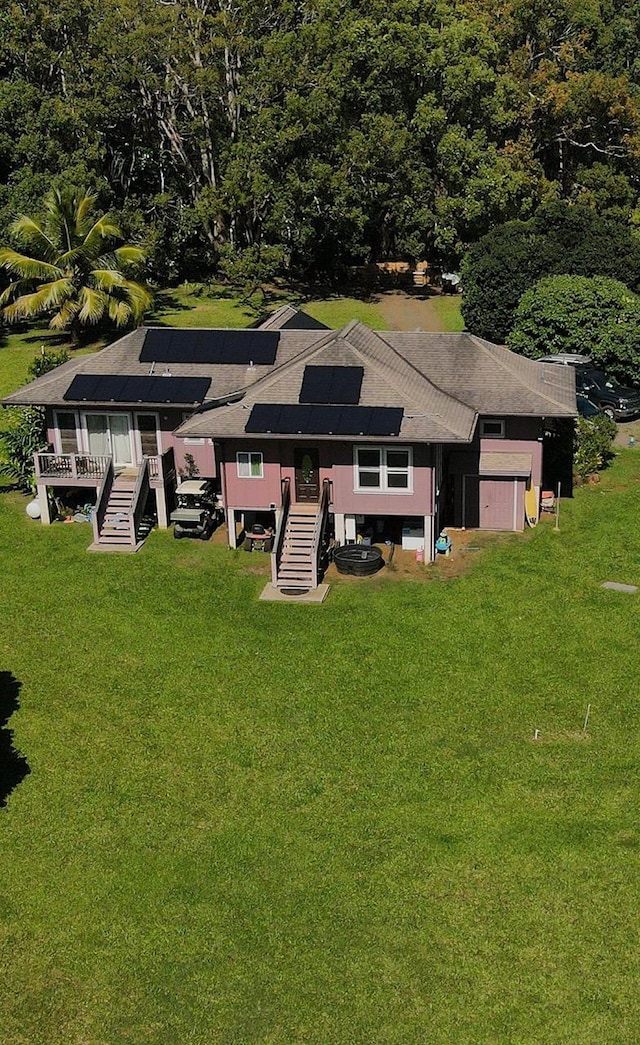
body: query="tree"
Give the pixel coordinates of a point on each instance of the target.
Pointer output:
(559, 239)
(596, 317)
(24, 436)
(73, 272)
(26, 432)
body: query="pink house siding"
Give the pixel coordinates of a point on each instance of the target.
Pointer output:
(201, 449)
(349, 501)
(336, 464)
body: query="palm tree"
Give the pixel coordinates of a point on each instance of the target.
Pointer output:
(72, 271)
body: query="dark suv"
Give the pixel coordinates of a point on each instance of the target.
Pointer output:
(614, 400)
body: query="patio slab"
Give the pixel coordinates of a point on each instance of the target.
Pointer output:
(271, 594)
(630, 589)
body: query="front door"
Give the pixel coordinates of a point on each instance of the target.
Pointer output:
(307, 464)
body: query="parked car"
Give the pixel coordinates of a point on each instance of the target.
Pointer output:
(567, 359)
(616, 401)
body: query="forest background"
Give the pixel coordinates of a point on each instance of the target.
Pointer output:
(299, 138)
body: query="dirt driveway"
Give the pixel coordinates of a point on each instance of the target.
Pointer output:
(404, 311)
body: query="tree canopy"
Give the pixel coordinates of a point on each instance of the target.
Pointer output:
(319, 134)
(559, 239)
(597, 317)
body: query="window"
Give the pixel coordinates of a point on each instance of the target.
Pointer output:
(67, 432)
(492, 428)
(379, 468)
(249, 466)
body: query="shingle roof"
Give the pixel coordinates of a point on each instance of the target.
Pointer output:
(488, 377)
(122, 358)
(442, 382)
(288, 317)
(430, 415)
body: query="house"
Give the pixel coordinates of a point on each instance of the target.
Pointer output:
(351, 432)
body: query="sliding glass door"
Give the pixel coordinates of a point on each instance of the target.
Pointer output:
(109, 436)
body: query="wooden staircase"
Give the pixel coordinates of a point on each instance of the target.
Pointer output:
(115, 532)
(297, 568)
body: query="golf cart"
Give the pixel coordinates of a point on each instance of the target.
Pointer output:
(197, 511)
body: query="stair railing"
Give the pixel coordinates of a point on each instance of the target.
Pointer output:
(102, 499)
(319, 528)
(276, 554)
(139, 499)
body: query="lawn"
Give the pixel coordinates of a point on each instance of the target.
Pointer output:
(190, 306)
(265, 823)
(448, 308)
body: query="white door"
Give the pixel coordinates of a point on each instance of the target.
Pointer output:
(109, 436)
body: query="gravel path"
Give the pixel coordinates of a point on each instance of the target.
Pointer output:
(404, 311)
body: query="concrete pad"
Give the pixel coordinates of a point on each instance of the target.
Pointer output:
(120, 549)
(271, 594)
(630, 589)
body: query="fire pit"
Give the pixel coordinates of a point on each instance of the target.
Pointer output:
(358, 560)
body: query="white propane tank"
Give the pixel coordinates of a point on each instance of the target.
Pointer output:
(33, 509)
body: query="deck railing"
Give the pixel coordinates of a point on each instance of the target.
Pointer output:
(70, 467)
(162, 468)
(318, 532)
(276, 554)
(102, 500)
(139, 499)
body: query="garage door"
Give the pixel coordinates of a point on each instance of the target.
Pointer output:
(493, 504)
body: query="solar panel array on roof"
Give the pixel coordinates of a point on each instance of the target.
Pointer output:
(107, 388)
(331, 384)
(210, 346)
(285, 419)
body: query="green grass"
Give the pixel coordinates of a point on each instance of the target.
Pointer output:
(255, 822)
(218, 307)
(448, 310)
(336, 311)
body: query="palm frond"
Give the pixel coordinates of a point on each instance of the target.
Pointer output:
(92, 304)
(45, 299)
(65, 317)
(84, 205)
(14, 290)
(26, 267)
(29, 232)
(119, 312)
(130, 256)
(140, 299)
(108, 279)
(102, 230)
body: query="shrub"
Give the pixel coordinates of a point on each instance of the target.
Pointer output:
(593, 444)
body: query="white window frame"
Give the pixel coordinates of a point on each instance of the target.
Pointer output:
(57, 441)
(491, 421)
(249, 454)
(106, 412)
(384, 469)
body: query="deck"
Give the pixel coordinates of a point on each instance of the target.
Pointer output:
(78, 469)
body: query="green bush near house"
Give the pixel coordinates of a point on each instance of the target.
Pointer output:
(593, 444)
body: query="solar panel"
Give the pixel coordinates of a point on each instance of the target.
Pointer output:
(210, 346)
(287, 419)
(331, 384)
(111, 388)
